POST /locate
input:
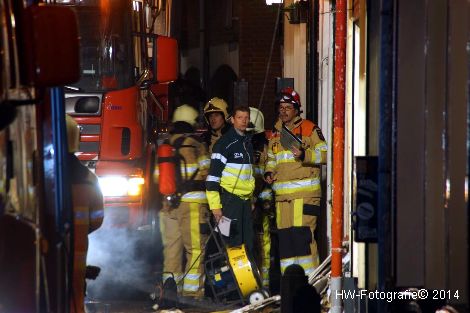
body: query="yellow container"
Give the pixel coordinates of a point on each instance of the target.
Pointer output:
(242, 269)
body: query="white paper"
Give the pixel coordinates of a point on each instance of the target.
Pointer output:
(224, 226)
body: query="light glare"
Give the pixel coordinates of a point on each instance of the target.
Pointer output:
(119, 186)
(113, 186)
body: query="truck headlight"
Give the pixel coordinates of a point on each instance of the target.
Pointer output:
(119, 186)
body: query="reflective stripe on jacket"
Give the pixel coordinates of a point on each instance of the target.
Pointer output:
(195, 161)
(297, 178)
(231, 168)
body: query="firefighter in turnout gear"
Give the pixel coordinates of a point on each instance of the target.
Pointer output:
(216, 115)
(263, 197)
(88, 204)
(294, 173)
(230, 183)
(184, 224)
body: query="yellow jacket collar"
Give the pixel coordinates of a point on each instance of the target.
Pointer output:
(297, 121)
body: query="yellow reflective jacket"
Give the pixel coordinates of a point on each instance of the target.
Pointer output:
(231, 168)
(297, 178)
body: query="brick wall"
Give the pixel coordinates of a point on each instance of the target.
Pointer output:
(252, 27)
(257, 22)
(221, 28)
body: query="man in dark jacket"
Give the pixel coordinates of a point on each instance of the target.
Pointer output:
(230, 183)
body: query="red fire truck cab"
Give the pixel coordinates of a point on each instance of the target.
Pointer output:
(116, 102)
(120, 61)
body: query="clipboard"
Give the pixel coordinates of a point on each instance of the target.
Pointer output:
(224, 226)
(289, 140)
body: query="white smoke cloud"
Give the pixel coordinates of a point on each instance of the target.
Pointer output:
(129, 259)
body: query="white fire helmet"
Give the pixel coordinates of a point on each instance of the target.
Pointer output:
(185, 113)
(256, 124)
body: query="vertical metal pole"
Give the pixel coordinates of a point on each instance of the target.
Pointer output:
(60, 156)
(63, 207)
(338, 155)
(386, 148)
(312, 110)
(57, 137)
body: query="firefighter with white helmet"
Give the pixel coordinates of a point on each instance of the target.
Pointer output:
(256, 125)
(185, 113)
(294, 172)
(184, 223)
(263, 196)
(216, 115)
(88, 215)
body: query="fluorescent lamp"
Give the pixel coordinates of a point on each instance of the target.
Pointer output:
(270, 2)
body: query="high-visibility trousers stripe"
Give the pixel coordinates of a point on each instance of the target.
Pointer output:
(307, 263)
(193, 265)
(266, 262)
(286, 262)
(298, 212)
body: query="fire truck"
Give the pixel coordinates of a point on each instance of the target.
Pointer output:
(36, 219)
(120, 103)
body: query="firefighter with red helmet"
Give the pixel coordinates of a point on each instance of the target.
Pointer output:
(87, 202)
(183, 221)
(216, 115)
(294, 172)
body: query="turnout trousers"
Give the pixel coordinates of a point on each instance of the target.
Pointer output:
(265, 245)
(296, 222)
(184, 234)
(241, 229)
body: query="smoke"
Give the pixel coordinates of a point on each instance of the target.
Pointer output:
(129, 259)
